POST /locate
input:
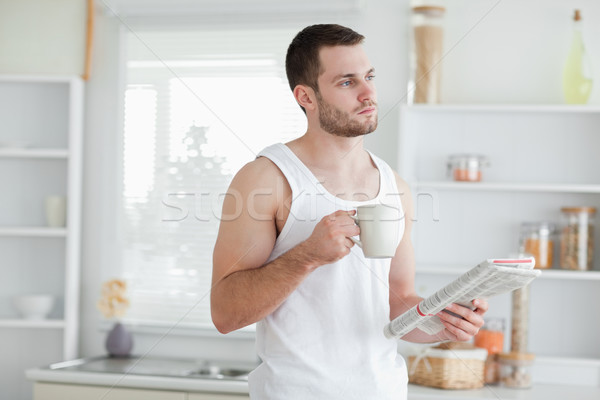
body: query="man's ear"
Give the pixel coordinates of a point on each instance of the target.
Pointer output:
(306, 97)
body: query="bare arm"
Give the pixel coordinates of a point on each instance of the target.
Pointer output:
(403, 296)
(402, 270)
(244, 288)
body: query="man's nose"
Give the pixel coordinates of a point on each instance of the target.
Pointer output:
(367, 92)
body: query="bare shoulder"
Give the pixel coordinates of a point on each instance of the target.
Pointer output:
(258, 189)
(248, 225)
(259, 173)
(405, 194)
(402, 185)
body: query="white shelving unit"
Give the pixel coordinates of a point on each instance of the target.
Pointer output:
(33, 231)
(22, 323)
(510, 187)
(34, 153)
(40, 155)
(542, 157)
(552, 274)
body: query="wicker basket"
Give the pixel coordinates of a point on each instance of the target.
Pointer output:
(448, 366)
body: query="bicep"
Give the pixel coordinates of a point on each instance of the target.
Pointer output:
(247, 230)
(402, 268)
(402, 272)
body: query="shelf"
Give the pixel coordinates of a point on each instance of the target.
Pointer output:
(33, 231)
(508, 108)
(26, 323)
(551, 274)
(510, 187)
(571, 275)
(41, 146)
(16, 78)
(34, 153)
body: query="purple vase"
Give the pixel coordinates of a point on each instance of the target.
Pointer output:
(119, 341)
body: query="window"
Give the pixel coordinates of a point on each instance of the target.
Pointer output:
(198, 106)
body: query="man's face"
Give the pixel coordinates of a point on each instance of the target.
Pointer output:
(347, 98)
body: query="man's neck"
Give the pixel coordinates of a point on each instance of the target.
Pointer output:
(324, 150)
(340, 164)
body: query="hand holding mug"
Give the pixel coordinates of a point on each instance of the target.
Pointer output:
(380, 229)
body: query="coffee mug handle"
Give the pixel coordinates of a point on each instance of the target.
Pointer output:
(356, 241)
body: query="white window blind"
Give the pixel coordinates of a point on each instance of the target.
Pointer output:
(198, 106)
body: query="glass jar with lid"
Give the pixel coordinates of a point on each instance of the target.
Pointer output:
(491, 338)
(426, 53)
(537, 239)
(466, 167)
(577, 238)
(515, 369)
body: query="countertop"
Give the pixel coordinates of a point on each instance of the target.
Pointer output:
(146, 380)
(137, 381)
(143, 372)
(537, 392)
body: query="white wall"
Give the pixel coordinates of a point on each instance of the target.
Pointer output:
(385, 28)
(509, 51)
(42, 37)
(100, 176)
(513, 51)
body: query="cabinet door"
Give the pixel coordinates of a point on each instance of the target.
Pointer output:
(56, 391)
(217, 396)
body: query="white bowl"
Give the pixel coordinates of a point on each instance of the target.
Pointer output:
(34, 306)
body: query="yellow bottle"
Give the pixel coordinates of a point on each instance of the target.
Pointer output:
(577, 75)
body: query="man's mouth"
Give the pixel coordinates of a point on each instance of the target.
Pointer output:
(368, 110)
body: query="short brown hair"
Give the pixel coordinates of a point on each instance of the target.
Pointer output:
(302, 64)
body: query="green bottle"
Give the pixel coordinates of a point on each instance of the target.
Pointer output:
(577, 75)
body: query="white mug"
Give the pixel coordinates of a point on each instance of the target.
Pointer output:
(380, 227)
(56, 211)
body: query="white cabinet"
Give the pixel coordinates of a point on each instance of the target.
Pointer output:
(542, 158)
(60, 391)
(57, 391)
(216, 396)
(40, 156)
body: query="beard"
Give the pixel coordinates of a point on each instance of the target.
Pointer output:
(339, 123)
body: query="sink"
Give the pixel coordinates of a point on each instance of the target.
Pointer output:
(152, 366)
(216, 372)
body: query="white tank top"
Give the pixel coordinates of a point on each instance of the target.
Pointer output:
(326, 339)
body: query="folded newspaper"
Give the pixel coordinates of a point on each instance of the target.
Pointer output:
(490, 278)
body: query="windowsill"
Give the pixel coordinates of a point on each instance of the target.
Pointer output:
(246, 333)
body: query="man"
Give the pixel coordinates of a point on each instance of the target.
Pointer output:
(284, 257)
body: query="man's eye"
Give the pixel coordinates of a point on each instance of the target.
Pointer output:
(370, 77)
(346, 83)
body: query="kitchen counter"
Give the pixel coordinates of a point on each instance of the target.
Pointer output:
(146, 373)
(178, 375)
(537, 392)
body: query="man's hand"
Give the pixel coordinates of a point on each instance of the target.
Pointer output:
(330, 240)
(462, 323)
